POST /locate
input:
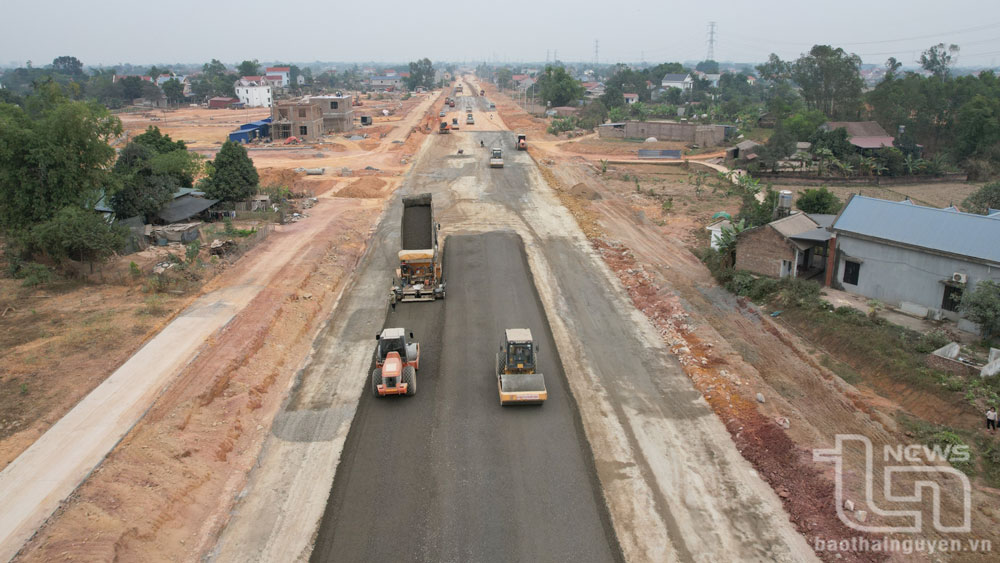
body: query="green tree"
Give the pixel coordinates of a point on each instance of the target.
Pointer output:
(982, 306)
(138, 188)
(978, 126)
(708, 67)
(892, 66)
(78, 234)
(558, 87)
(818, 200)
(421, 74)
(830, 80)
(937, 60)
(174, 91)
(157, 141)
(775, 69)
(804, 124)
(755, 213)
(617, 114)
(131, 88)
(68, 65)
(232, 175)
(54, 153)
(504, 78)
(249, 68)
(984, 199)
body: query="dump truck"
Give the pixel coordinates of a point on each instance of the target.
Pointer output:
(396, 363)
(496, 158)
(522, 142)
(445, 128)
(419, 276)
(517, 381)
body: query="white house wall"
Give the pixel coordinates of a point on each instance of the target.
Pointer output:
(894, 274)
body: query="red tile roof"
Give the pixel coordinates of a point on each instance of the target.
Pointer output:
(279, 69)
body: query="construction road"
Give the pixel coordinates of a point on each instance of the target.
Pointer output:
(625, 459)
(449, 474)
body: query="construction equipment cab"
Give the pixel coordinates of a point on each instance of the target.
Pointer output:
(469, 120)
(496, 158)
(517, 381)
(396, 364)
(445, 128)
(522, 142)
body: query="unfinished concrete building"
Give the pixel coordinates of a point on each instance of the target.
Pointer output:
(297, 118)
(338, 114)
(691, 133)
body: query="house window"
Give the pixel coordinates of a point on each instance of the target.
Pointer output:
(952, 297)
(302, 113)
(303, 130)
(851, 272)
(333, 105)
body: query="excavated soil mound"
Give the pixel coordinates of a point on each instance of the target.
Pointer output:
(278, 177)
(363, 188)
(585, 192)
(335, 147)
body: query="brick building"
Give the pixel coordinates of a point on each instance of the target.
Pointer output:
(791, 246)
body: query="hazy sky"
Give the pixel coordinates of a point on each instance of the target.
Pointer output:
(115, 31)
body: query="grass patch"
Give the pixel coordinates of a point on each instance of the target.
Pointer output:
(984, 453)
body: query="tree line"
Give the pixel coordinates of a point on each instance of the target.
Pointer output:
(57, 164)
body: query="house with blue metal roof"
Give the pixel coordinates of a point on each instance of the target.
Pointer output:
(920, 259)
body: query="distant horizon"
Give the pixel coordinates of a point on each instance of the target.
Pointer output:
(403, 65)
(643, 31)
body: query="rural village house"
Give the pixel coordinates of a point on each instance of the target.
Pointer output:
(920, 259)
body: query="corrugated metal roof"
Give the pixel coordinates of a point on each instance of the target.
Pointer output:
(857, 128)
(822, 219)
(793, 224)
(872, 142)
(962, 234)
(184, 207)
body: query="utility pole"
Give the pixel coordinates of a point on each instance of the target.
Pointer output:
(711, 41)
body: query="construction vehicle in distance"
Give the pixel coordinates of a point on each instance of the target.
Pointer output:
(445, 128)
(419, 276)
(517, 381)
(522, 142)
(482, 92)
(496, 158)
(396, 364)
(451, 102)
(469, 120)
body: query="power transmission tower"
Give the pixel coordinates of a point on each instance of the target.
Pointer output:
(711, 41)
(596, 57)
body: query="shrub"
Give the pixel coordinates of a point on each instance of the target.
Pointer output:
(34, 274)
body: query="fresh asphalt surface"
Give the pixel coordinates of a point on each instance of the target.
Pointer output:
(449, 474)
